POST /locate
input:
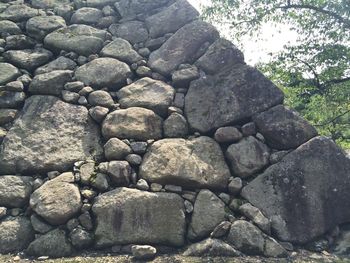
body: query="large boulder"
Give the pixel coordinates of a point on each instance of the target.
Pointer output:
(19, 13)
(82, 39)
(9, 99)
(130, 8)
(130, 216)
(283, 128)
(8, 73)
(132, 31)
(39, 26)
(132, 123)
(147, 93)
(209, 211)
(49, 135)
(15, 190)
(16, 233)
(306, 193)
(171, 19)
(9, 28)
(57, 200)
(60, 63)
(103, 72)
(184, 46)
(234, 94)
(121, 49)
(196, 163)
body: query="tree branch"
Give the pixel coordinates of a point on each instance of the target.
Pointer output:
(332, 120)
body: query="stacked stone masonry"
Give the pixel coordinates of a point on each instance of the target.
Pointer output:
(127, 124)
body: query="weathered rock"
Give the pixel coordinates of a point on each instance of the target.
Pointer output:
(82, 39)
(306, 194)
(122, 50)
(274, 249)
(28, 59)
(87, 171)
(211, 247)
(247, 157)
(143, 252)
(119, 172)
(100, 182)
(235, 185)
(49, 4)
(9, 28)
(222, 53)
(19, 13)
(98, 113)
(61, 63)
(196, 163)
(221, 229)
(246, 237)
(8, 73)
(19, 42)
(39, 225)
(100, 98)
(53, 244)
(15, 190)
(70, 97)
(132, 31)
(103, 72)
(116, 149)
(86, 15)
(183, 47)
(232, 95)
(283, 128)
(175, 126)
(129, 216)
(57, 200)
(183, 77)
(16, 233)
(7, 115)
(228, 135)
(171, 19)
(99, 3)
(47, 130)
(40, 26)
(132, 123)
(209, 211)
(256, 216)
(81, 238)
(147, 93)
(10, 99)
(51, 83)
(127, 8)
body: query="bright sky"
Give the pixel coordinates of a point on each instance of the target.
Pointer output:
(273, 39)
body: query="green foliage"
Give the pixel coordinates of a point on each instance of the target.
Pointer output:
(314, 72)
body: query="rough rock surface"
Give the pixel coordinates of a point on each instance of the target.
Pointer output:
(40, 26)
(228, 97)
(306, 194)
(211, 247)
(28, 59)
(15, 190)
(147, 93)
(8, 73)
(121, 49)
(41, 117)
(197, 163)
(134, 123)
(51, 83)
(129, 216)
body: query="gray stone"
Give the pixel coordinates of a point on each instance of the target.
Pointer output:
(173, 188)
(227, 135)
(40, 26)
(3, 133)
(306, 194)
(121, 49)
(49, 4)
(57, 200)
(86, 221)
(119, 172)
(134, 159)
(16, 233)
(283, 128)
(196, 163)
(127, 216)
(43, 147)
(221, 54)
(132, 123)
(27, 58)
(15, 190)
(103, 72)
(99, 3)
(70, 97)
(9, 28)
(229, 96)
(75, 86)
(86, 15)
(8, 73)
(3, 212)
(81, 238)
(187, 42)
(255, 215)
(183, 77)
(171, 19)
(209, 211)
(7, 116)
(127, 8)
(157, 188)
(10, 99)
(116, 149)
(273, 249)
(132, 31)
(137, 147)
(247, 157)
(175, 126)
(82, 39)
(249, 129)
(16, 86)
(143, 252)
(142, 185)
(53, 244)
(211, 247)
(98, 113)
(39, 225)
(100, 182)
(148, 93)
(87, 171)
(277, 156)
(61, 63)
(19, 42)
(100, 98)
(246, 237)
(51, 83)
(19, 13)
(235, 186)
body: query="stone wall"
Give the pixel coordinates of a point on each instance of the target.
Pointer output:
(132, 122)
